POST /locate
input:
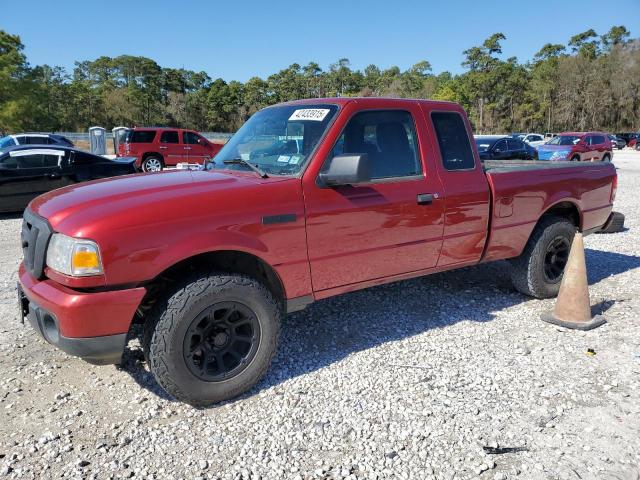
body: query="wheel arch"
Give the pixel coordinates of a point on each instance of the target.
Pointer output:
(228, 261)
(152, 154)
(566, 209)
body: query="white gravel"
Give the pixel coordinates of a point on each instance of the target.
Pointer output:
(409, 380)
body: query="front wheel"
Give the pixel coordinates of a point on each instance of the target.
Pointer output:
(575, 158)
(606, 157)
(537, 272)
(212, 338)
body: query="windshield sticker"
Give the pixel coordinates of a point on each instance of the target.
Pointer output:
(295, 159)
(284, 158)
(314, 114)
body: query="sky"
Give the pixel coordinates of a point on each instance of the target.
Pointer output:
(236, 40)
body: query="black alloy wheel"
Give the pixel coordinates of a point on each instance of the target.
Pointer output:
(221, 341)
(556, 258)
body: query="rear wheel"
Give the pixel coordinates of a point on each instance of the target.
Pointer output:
(212, 338)
(606, 157)
(575, 158)
(152, 164)
(537, 272)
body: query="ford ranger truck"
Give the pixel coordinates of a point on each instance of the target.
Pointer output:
(309, 199)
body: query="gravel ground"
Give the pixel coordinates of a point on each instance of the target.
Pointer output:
(409, 380)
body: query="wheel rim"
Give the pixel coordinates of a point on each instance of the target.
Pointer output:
(556, 258)
(221, 341)
(152, 165)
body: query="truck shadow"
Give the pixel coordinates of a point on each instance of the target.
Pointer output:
(330, 330)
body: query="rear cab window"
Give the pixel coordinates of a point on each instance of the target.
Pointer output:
(453, 140)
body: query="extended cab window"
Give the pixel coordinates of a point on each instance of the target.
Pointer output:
(453, 141)
(389, 140)
(170, 136)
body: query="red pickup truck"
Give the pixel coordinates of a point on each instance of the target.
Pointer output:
(159, 147)
(309, 199)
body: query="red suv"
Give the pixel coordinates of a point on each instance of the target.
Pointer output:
(577, 146)
(156, 148)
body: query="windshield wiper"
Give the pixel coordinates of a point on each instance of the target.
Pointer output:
(242, 161)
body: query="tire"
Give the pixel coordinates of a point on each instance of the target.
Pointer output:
(606, 157)
(184, 368)
(152, 164)
(575, 158)
(537, 272)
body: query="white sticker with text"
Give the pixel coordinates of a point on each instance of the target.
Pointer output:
(283, 158)
(314, 114)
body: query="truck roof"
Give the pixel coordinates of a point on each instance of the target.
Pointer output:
(382, 101)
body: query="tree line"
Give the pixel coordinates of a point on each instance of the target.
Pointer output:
(592, 82)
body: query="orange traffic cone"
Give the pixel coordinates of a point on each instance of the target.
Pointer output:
(573, 309)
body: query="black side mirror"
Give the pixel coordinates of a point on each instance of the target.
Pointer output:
(347, 169)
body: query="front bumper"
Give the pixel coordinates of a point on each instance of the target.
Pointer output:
(92, 326)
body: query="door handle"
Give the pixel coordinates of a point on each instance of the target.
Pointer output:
(187, 148)
(426, 198)
(54, 175)
(163, 148)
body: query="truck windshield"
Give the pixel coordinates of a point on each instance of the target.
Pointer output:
(564, 140)
(278, 140)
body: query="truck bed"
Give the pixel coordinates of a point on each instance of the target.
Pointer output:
(519, 199)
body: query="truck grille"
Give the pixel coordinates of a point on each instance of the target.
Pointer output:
(35, 236)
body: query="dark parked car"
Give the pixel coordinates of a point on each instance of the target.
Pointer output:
(34, 139)
(628, 137)
(501, 147)
(26, 171)
(617, 142)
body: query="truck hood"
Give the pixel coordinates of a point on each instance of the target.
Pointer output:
(71, 209)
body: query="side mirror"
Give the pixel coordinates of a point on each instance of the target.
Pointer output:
(348, 169)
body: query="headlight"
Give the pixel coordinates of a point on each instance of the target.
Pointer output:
(73, 256)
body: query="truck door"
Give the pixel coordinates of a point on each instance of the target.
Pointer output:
(466, 189)
(389, 226)
(171, 148)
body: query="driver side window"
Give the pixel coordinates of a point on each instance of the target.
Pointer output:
(388, 138)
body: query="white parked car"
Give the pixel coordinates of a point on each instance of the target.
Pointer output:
(533, 139)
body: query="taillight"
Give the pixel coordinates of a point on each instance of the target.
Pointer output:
(614, 188)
